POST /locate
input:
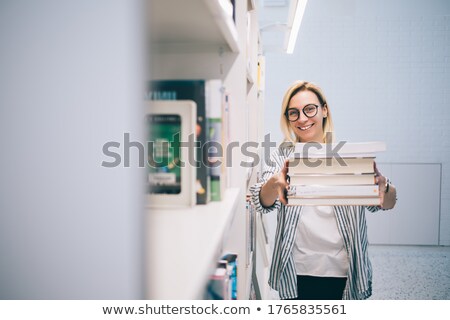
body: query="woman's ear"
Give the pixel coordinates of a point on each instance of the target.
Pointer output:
(325, 110)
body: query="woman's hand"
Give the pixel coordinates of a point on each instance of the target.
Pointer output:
(388, 193)
(276, 187)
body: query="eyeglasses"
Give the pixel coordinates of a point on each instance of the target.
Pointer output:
(310, 110)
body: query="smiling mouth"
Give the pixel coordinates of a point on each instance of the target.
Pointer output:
(306, 127)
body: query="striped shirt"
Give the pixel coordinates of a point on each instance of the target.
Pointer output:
(352, 226)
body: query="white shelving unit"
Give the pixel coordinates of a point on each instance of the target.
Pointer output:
(189, 25)
(184, 244)
(197, 39)
(263, 257)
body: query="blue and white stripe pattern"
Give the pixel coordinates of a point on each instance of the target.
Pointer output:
(352, 227)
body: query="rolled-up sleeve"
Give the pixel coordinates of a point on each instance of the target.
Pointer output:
(255, 190)
(269, 168)
(373, 208)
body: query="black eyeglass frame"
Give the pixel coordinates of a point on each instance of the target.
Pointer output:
(303, 110)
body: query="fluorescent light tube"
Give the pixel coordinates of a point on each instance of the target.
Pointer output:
(294, 23)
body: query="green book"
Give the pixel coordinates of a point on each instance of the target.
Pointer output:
(189, 90)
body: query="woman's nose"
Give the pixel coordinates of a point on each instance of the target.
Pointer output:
(302, 117)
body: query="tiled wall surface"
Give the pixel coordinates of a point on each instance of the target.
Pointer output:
(385, 69)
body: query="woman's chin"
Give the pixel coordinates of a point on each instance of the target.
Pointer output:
(306, 137)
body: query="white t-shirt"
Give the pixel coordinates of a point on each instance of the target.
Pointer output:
(319, 248)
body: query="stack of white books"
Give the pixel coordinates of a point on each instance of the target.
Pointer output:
(334, 174)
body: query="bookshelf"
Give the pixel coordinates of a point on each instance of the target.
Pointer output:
(191, 25)
(263, 257)
(184, 244)
(200, 40)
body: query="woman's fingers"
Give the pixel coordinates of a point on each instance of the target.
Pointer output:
(282, 192)
(380, 180)
(286, 163)
(282, 188)
(285, 168)
(375, 169)
(282, 197)
(283, 183)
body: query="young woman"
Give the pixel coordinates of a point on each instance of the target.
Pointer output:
(320, 251)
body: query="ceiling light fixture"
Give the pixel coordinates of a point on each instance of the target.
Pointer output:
(296, 11)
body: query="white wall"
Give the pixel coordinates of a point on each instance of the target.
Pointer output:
(385, 69)
(70, 81)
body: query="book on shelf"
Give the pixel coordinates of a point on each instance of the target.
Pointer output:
(226, 132)
(215, 138)
(164, 175)
(232, 263)
(332, 179)
(222, 284)
(197, 91)
(219, 283)
(169, 183)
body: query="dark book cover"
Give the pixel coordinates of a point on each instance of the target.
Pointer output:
(232, 260)
(216, 167)
(189, 90)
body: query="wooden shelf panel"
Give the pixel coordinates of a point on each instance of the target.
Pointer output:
(186, 244)
(175, 23)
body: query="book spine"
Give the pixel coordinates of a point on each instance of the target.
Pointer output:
(214, 105)
(331, 179)
(334, 191)
(226, 138)
(340, 148)
(370, 201)
(331, 166)
(232, 260)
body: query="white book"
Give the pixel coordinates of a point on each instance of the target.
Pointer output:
(330, 165)
(342, 149)
(370, 201)
(169, 184)
(332, 179)
(324, 191)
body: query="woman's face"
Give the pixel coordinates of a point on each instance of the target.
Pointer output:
(308, 129)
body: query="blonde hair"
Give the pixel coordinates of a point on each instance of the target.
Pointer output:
(296, 87)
